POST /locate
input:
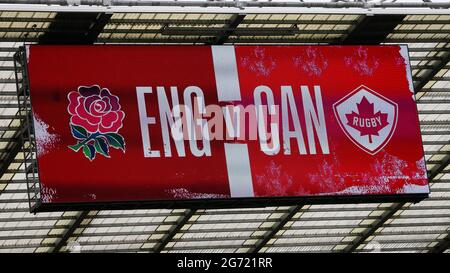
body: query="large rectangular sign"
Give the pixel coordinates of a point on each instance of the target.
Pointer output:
(164, 123)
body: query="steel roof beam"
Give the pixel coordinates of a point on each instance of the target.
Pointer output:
(427, 49)
(237, 4)
(15, 147)
(216, 21)
(237, 229)
(274, 221)
(228, 7)
(435, 133)
(9, 153)
(436, 171)
(227, 21)
(434, 78)
(174, 230)
(373, 29)
(387, 214)
(268, 235)
(236, 19)
(431, 74)
(62, 30)
(155, 21)
(442, 245)
(213, 236)
(70, 231)
(226, 248)
(435, 122)
(207, 39)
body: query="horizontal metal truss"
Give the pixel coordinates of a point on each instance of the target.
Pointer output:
(240, 4)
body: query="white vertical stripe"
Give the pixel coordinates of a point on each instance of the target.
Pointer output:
(228, 89)
(238, 166)
(225, 69)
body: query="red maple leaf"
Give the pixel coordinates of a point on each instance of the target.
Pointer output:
(366, 121)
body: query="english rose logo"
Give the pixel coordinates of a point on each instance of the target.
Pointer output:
(96, 118)
(367, 118)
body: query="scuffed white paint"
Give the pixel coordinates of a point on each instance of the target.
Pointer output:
(259, 63)
(361, 63)
(314, 64)
(413, 188)
(274, 181)
(328, 177)
(421, 165)
(45, 141)
(183, 193)
(405, 55)
(389, 168)
(360, 190)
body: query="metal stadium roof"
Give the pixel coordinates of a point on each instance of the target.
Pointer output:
(388, 227)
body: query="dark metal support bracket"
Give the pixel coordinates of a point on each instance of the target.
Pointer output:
(277, 227)
(174, 230)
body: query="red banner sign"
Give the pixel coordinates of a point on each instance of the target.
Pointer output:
(142, 123)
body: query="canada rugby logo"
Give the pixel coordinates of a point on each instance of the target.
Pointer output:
(96, 118)
(367, 118)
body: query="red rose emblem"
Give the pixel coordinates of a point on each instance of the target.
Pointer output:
(95, 109)
(95, 120)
